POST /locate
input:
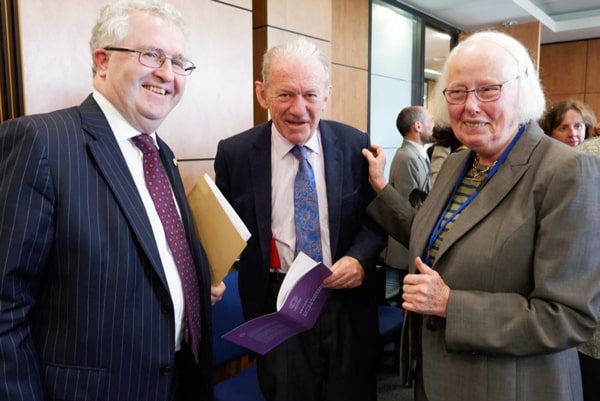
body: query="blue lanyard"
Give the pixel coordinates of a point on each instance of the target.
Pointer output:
(442, 223)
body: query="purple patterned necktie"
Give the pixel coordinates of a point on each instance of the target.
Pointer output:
(160, 191)
(306, 208)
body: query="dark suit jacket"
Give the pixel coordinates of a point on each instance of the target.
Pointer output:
(243, 173)
(85, 308)
(523, 265)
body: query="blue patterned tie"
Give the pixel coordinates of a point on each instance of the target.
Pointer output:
(160, 191)
(306, 208)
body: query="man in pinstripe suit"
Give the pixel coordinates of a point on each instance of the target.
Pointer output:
(91, 303)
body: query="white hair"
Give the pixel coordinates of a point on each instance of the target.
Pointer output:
(113, 24)
(297, 48)
(531, 101)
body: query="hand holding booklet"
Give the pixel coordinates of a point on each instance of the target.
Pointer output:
(299, 304)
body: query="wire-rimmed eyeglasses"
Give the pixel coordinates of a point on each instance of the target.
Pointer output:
(487, 93)
(155, 58)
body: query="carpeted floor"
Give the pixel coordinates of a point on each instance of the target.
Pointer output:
(389, 388)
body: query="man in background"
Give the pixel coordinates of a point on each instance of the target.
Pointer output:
(104, 287)
(409, 174)
(256, 170)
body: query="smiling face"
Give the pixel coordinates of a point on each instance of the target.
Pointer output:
(295, 95)
(485, 128)
(144, 96)
(571, 129)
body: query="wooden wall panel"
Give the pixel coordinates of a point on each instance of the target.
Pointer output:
(192, 170)
(592, 82)
(350, 33)
(57, 62)
(260, 41)
(11, 90)
(570, 70)
(218, 99)
(245, 4)
(350, 96)
(593, 100)
(563, 68)
(431, 87)
(350, 62)
(529, 35)
(259, 13)
(551, 99)
(308, 17)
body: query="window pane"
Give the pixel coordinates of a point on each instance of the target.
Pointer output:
(392, 41)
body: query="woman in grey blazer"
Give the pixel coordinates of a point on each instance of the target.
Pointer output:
(589, 353)
(504, 276)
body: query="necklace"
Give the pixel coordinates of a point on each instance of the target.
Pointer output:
(477, 172)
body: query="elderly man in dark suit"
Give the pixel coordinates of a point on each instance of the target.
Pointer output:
(256, 171)
(93, 301)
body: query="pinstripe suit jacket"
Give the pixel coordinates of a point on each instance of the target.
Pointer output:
(523, 265)
(243, 173)
(85, 311)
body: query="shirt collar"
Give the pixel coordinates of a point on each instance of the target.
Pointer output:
(282, 146)
(121, 129)
(420, 148)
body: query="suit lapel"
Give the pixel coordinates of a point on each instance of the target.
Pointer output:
(334, 165)
(505, 179)
(105, 150)
(424, 175)
(433, 206)
(260, 176)
(169, 163)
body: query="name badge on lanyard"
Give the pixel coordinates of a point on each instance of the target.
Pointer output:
(442, 223)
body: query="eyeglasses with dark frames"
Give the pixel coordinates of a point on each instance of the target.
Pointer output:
(485, 94)
(155, 58)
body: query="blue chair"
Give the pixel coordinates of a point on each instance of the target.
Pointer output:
(391, 319)
(227, 314)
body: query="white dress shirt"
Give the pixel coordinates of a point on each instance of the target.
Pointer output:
(284, 166)
(123, 132)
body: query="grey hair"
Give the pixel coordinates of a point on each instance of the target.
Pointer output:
(112, 26)
(297, 48)
(531, 102)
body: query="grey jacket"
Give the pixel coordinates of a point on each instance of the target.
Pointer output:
(523, 266)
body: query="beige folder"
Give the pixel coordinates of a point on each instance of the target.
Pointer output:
(221, 231)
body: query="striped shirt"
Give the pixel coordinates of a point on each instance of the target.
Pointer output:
(467, 187)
